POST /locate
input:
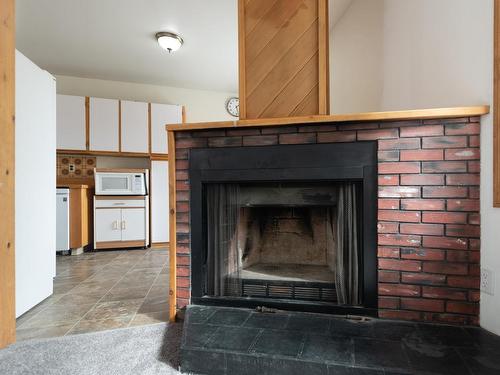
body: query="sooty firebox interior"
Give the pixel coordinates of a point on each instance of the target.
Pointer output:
(284, 240)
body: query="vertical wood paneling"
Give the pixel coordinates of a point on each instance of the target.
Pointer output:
(255, 10)
(7, 132)
(274, 23)
(277, 48)
(87, 123)
(324, 54)
(290, 98)
(277, 39)
(283, 74)
(496, 109)
(241, 58)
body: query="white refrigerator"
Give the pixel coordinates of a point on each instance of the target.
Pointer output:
(35, 184)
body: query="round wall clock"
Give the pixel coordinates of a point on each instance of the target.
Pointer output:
(233, 106)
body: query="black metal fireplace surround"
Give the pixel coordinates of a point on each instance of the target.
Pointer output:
(315, 163)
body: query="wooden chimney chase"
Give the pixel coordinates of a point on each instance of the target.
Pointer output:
(283, 58)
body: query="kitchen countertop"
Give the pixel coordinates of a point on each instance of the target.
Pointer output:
(73, 186)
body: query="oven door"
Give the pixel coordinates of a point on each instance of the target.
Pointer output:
(114, 184)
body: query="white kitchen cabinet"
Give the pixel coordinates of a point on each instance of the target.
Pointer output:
(104, 134)
(133, 228)
(70, 122)
(161, 115)
(159, 201)
(121, 222)
(108, 222)
(134, 134)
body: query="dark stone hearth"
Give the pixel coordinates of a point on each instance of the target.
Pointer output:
(219, 340)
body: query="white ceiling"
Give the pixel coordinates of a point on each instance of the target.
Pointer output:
(114, 39)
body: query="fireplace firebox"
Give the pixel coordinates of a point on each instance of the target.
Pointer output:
(290, 227)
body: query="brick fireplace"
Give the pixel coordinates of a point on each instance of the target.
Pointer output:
(428, 207)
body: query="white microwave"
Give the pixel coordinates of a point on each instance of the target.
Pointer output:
(109, 182)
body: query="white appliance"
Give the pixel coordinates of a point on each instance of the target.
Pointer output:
(35, 204)
(116, 182)
(62, 219)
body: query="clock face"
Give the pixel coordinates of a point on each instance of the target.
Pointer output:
(233, 107)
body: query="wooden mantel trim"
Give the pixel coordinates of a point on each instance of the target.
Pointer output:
(416, 114)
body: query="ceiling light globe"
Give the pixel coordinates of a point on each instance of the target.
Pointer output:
(169, 41)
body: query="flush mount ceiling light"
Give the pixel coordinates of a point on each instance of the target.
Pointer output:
(169, 41)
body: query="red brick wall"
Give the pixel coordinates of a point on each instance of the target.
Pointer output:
(428, 209)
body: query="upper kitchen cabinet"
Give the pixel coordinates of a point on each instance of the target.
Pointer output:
(134, 127)
(161, 115)
(104, 124)
(70, 122)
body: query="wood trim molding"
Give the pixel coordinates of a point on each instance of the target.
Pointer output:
(119, 126)
(496, 107)
(87, 123)
(157, 245)
(150, 134)
(241, 59)
(159, 156)
(119, 244)
(172, 299)
(105, 153)
(7, 154)
(416, 114)
(324, 56)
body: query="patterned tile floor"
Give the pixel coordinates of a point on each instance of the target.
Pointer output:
(102, 290)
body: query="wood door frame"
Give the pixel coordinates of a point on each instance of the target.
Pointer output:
(496, 107)
(7, 154)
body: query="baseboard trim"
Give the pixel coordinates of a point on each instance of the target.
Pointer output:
(156, 245)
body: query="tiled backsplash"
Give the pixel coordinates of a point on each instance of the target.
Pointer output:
(75, 166)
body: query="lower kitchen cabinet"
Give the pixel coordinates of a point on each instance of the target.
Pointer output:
(121, 222)
(132, 225)
(80, 211)
(107, 225)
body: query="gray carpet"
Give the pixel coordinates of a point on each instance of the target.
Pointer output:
(152, 349)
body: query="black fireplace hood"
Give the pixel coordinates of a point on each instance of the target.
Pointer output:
(334, 162)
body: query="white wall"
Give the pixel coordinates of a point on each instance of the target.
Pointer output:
(35, 190)
(200, 105)
(356, 47)
(438, 53)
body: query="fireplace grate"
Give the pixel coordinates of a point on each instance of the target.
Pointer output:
(307, 291)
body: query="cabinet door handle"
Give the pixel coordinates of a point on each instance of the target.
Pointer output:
(124, 224)
(115, 225)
